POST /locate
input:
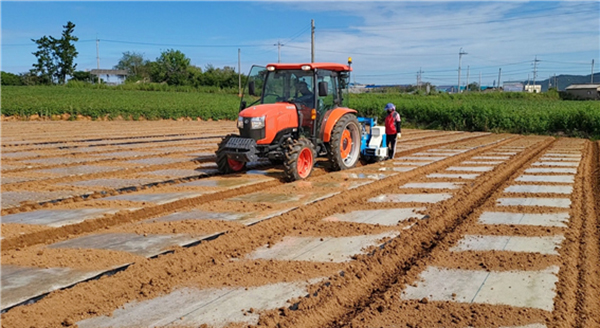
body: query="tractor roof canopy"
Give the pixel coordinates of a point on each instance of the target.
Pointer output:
(328, 66)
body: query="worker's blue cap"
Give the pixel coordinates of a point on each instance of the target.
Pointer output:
(390, 106)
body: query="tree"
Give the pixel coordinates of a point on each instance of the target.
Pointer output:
(82, 76)
(65, 52)
(473, 86)
(55, 57)
(136, 66)
(30, 78)
(10, 79)
(225, 77)
(195, 75)
(171, 67)
(45, 68)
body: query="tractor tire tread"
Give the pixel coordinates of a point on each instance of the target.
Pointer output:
(290, 163)
(337, 162)
(222, 164)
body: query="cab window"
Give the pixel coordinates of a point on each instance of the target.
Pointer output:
(344, 82)
(285, 85)
(327, 102)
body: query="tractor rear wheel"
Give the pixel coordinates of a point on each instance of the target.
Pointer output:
(225, 164)
(299, 160)
(344, 147)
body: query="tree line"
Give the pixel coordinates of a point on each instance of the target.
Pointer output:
(55, 65)
(173, 68)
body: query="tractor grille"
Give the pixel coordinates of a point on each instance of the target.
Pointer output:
(241, 149)
(256, 134)
(241, 143)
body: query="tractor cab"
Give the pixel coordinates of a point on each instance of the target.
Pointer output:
(312, 88)
(290, 114)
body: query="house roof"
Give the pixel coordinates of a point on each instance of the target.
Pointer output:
(108, 72)
(583, 86)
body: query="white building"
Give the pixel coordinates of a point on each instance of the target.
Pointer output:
(531, 88)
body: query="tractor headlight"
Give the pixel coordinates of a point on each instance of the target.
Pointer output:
(240, 122)
(257, 122)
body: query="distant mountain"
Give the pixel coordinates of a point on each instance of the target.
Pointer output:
(566, 80)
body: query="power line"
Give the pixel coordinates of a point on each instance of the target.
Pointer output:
(386, 74)
(188, 45)
(570, 63)
(297, 35)
(33, 44)
(500, 63)
(374, 54)
(444, 71)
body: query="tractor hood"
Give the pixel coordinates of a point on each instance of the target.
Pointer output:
(275, 117)
(268, 110)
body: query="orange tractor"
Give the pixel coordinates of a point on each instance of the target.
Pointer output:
(291, 114)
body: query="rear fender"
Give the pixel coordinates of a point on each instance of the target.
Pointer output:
(330, 118)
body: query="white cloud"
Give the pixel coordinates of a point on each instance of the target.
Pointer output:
(401, 37)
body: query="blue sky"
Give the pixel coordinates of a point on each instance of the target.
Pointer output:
(388, 41)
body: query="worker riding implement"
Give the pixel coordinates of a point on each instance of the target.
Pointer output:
(291, 114)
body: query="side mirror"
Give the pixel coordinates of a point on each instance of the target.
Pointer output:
(251, 90)
(323, 89)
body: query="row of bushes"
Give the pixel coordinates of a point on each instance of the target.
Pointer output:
(113, 103)
(495, 112)
(151, 87)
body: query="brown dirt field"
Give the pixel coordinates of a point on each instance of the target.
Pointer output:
(361, 292)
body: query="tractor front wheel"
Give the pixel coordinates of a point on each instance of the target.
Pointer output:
(225, 164)
(344, 147)
(299, 160)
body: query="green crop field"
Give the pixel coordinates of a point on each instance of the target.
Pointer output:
(129, 104)
(499, 112)
(496, 112)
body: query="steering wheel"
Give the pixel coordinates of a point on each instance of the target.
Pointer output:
(278, 98)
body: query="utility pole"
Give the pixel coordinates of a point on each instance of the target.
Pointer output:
(468, 70)
(460, 54)
(98, 57)
(479, 81)
(312, 40)
(279, 45)
(592, 81)
(535, 61)
(419, 75)
(499, 76)
(418, 83)
(239, 74)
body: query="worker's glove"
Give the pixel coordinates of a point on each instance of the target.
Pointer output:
(399, 135)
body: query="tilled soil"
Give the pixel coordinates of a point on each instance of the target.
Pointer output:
(367, 289)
